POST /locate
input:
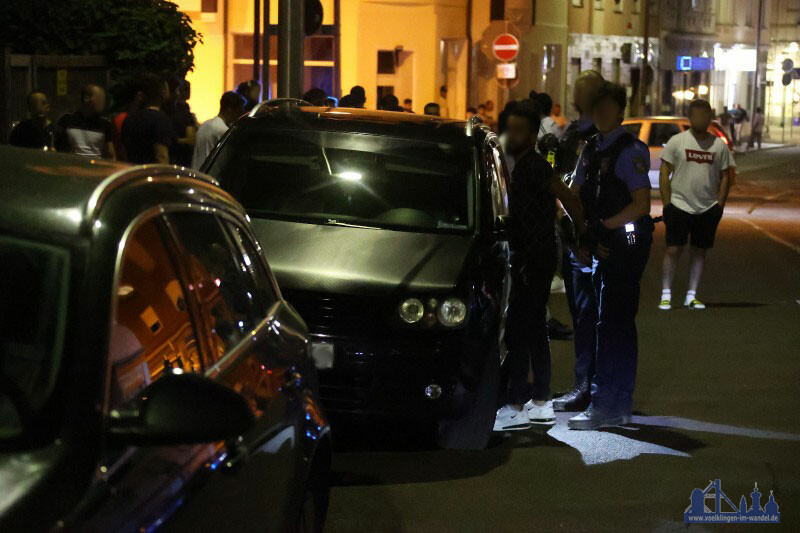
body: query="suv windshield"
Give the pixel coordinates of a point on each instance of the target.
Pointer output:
(327, 177)
(33, 301)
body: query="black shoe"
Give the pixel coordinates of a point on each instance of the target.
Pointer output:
(558, 331)
(577, 399)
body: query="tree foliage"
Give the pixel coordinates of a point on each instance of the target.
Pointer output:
(135, 35)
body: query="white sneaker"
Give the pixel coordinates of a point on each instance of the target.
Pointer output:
(511, 418)
(665, 304)
(541, 415)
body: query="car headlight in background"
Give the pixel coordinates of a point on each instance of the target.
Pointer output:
(452, 312)
(411, 310)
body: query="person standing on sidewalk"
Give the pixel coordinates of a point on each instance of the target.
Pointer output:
(532, 207)
(702, 169)
(37, 131)
(757, 128)
(739, 118)
(615, 194)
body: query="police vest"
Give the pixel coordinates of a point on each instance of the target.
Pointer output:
(604, 194)
(570, 147)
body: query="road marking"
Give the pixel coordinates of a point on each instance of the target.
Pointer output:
(765, 200)
(772, 236)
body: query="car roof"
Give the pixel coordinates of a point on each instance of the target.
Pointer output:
(47, 193)
(388, 123)
(657, 119)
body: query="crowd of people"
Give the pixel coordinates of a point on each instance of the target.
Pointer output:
(150, 122)
(733, 121)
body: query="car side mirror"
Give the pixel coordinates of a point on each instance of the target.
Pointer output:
(182, 409)
(501, 227)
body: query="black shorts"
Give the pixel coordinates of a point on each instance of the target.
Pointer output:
(702, 227)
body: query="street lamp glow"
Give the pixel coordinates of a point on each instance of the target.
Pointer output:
(688, 95)
(702, 90)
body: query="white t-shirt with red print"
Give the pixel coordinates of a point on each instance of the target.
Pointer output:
(698, 170)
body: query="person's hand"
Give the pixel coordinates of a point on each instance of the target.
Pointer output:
(582, 255)
(602, 252)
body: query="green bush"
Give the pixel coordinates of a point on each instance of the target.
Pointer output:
(135, 35)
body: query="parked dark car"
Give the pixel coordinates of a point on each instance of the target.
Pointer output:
(386, 232)
(151, 373)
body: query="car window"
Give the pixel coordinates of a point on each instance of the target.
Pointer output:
(633, 128)
(661, 132)
(226, 293)
(151, 331)
(263, 280)
(33, 307)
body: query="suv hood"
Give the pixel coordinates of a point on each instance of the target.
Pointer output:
(349, 260)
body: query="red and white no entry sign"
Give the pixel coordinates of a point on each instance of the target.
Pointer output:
(505, 47)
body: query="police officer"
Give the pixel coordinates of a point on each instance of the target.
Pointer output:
(615, 194)
(577, 273)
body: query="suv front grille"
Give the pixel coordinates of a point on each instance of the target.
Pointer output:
(338, 313)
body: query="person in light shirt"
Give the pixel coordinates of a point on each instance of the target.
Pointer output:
(231, 106)
(696, 175)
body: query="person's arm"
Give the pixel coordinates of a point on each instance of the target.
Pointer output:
(725, 185)
(109, 152)
(571, 203)
(664, 184)
(162, 153)
(189, 137)
(639, 207)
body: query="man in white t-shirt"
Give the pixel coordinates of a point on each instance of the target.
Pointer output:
(702, 170)
(231, 106)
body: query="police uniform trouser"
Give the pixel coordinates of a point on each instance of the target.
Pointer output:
(584, 321)
(526, 332)
(616, 282)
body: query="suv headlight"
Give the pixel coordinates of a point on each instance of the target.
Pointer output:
(411, 310)
(452, 312)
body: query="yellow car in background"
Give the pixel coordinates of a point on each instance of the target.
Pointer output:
(656, 131)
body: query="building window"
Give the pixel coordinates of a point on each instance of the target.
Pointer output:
(618, 7)
(386, 62)
(636, 6)
(598, 5)
(209, 6)
(577, 3)
(497, 10)
(748, 13)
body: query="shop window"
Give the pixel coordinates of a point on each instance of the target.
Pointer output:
(209, 6)
(497, 10)
(598, 5)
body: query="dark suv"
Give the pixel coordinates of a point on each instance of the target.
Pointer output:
(386, 232)
(150, 371)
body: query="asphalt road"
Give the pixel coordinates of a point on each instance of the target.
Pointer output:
(717, 397)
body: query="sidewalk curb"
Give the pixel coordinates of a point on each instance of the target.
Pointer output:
(739, 154)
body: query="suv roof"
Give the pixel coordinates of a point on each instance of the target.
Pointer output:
(388, 123)
(46, 193)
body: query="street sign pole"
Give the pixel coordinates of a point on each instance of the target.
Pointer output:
(758, 59)
(291, 33)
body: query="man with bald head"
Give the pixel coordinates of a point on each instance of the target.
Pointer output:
(37, 131)
(85, 132)
(576, 272)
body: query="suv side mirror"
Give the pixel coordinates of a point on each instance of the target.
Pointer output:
(501, 227)
(182, 409)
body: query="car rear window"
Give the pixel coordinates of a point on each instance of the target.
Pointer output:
(633, 128)
(662, 132)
